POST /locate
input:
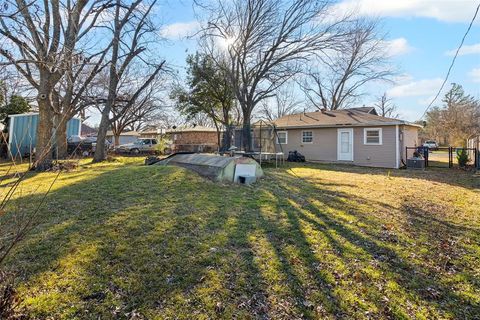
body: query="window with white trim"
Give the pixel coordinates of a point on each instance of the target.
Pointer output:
(282, 137)
(307, 137)
(372, 136)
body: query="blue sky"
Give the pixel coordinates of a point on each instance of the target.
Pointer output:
(422, 33)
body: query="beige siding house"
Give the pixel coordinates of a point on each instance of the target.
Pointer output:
(358, 136)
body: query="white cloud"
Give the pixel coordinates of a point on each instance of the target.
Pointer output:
(449, 11)
(425, 87)
(179, 30)
(475, 74)
(402, 78)
(468, 49)
(397, 47)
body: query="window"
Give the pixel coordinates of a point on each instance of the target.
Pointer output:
(372, 136)
(154, 141)
(307, 136)
(282, 137)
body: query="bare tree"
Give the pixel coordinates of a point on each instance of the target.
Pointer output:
(455, 121)
(339, 76)
(266, 42)
(145, 109)
(166, 118)
(385, 107)
(12, 83)
(132, 31)
(283, 103)
(43, 43)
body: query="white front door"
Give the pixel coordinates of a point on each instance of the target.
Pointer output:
(345, 144)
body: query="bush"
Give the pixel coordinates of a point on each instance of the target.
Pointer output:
(462, 157)
(161, 146)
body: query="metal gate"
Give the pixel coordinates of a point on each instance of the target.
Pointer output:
(443, 157)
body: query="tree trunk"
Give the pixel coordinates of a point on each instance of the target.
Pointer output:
(100, 152)
(218, 135)
(61, 137)
(43, 149)
(227, 135)
(246, 131)
(117, 140)
(227, 138)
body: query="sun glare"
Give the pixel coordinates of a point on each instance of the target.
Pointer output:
(225, 43)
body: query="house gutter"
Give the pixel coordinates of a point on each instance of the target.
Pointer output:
(397, 145)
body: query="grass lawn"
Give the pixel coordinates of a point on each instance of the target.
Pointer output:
(123, 241)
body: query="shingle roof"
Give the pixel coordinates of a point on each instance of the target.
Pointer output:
(125, 133)
(192, 129)
(336, 118)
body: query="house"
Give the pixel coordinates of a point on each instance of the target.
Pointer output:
(358, 136)
(22, 132)
(193, 139)
(151, 132)
(125, 137)
(88, 131)
(473, 143)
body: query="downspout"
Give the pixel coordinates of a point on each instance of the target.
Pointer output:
(397, 146)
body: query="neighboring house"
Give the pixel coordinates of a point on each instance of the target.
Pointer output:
(88, 131)
(150, 133)
(124, 138)
(22, 132)
(358, 136)
(474, 143)
(193, 139)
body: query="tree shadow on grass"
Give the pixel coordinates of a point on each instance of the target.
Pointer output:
(163, 242)
(149, 240)
(451, 176)
(415, 281)
(5, 180)
(453, 247)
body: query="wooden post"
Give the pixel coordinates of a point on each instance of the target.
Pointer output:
(426, 153)
(450, 157)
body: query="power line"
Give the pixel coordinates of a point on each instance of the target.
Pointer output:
(453, 62)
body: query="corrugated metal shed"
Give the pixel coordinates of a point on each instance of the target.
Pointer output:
(22, 132)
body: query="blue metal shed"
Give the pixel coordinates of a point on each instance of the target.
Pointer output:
(22, 132)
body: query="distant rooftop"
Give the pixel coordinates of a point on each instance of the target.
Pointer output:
(125, 133)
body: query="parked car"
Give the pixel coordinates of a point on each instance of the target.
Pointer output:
(430, 144)
(143, 145)
(84, 145)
